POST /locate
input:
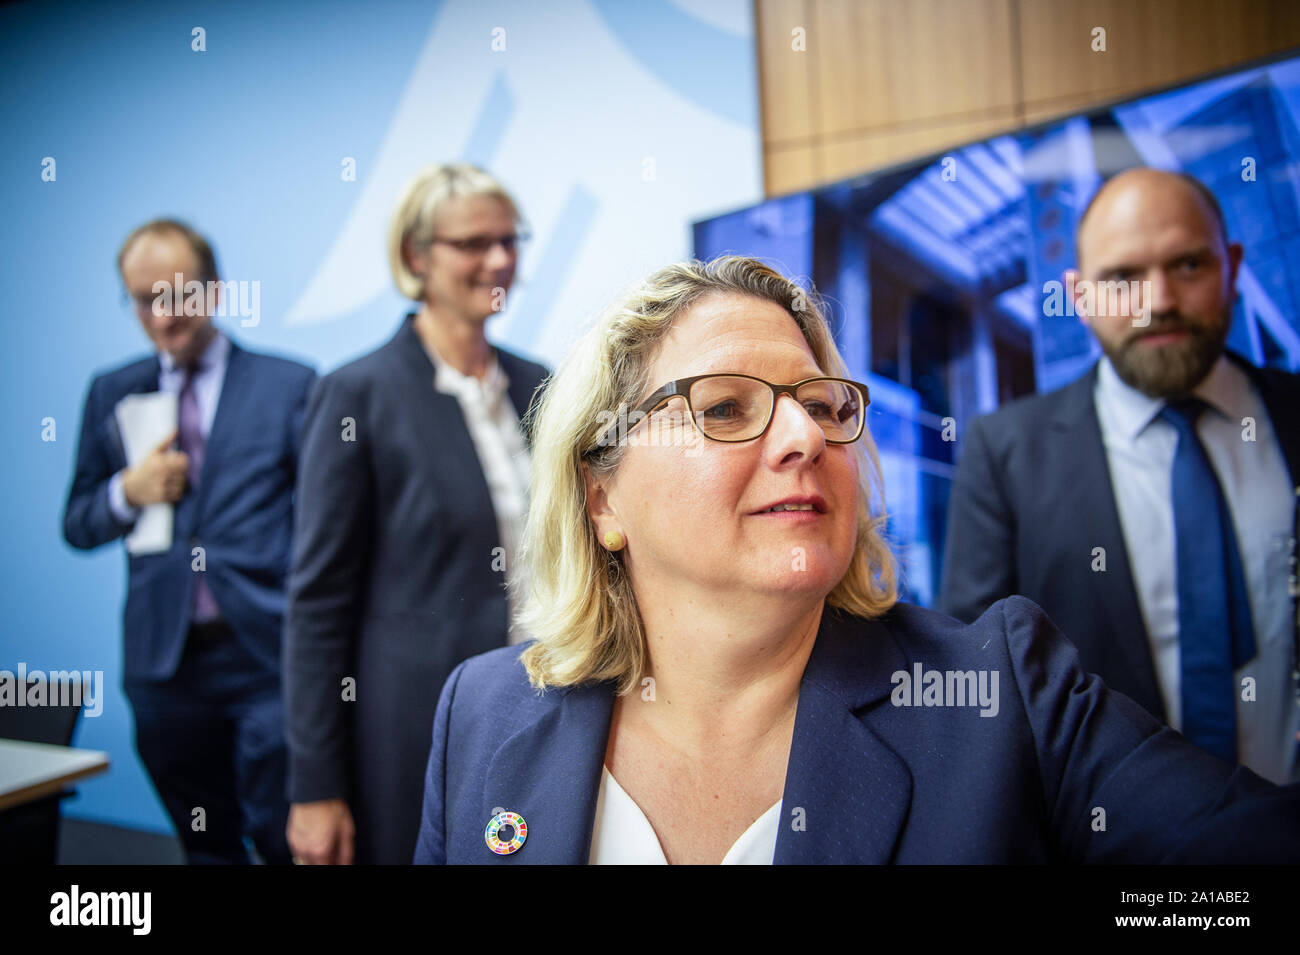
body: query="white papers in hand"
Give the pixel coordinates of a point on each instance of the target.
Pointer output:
(144, 421)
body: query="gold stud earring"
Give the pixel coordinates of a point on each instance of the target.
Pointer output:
(613, 540)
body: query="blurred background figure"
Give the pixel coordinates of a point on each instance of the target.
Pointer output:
(411, 500)
(203, 616)
(1148, 507)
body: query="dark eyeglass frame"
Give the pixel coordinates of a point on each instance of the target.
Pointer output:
(474, 244)
(144, 304)
(682, 387)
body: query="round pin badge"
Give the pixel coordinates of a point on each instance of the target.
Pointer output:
(506, 833)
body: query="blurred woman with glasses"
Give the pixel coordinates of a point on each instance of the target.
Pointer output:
(722, 672)
(410, 502)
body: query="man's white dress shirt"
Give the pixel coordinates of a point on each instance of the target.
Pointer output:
(1253, 475)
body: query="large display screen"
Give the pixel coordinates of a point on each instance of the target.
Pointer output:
(943, 277)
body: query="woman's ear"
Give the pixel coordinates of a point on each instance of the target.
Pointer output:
(599, 509)
(414, 260)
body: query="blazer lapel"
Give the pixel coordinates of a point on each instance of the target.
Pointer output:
(439, 416)
(521, 388)
(235, 407)
(847, 794)
(1281, 396)
(142, 380)
(549, 773)
(146, 379)
(1280, 393)
(1084, 469)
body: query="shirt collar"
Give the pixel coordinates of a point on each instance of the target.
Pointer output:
(1130, 410)
(447, 379)
(1226, 389)
(1223, 389)
(212, 356)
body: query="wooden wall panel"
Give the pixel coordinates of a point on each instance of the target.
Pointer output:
(783, 73)
(843, 61)
(937, 59)
(881, 81)
(1041, 111)
(843, 158)
(790, 168)
(878, 63)
(1149, 43)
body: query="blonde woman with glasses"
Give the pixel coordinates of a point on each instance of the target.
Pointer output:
(722, 672)
(411, 497)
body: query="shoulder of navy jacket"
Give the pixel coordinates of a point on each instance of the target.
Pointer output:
(1071, 403)
(561, 692)
(853, 657)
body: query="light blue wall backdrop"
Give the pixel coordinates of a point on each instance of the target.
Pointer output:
(615, 124)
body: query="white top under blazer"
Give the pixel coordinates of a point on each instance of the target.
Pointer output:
(623, 835)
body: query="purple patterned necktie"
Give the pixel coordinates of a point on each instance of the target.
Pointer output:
(191, 442)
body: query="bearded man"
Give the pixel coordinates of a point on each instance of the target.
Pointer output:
(1150, 506)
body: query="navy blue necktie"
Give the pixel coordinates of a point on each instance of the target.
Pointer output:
(1215, 633)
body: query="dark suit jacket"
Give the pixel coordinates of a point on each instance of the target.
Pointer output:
(1031, 500)
(393, 583)
(240, 512)
(872, 781)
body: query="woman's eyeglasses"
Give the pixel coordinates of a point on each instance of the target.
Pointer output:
(482, 244)
(734, 408)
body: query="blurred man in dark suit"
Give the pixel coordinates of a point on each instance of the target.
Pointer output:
(203, 617)
(1150, 506)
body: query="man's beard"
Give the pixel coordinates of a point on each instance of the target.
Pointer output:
(1168, 371)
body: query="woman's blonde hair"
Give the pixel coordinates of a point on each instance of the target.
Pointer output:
(581, 606)
(417, 209)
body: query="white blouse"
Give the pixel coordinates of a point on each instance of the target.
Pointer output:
(623, 835)
(503, 454)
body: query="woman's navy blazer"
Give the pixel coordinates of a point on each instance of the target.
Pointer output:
(396, 579)
(1049, 766)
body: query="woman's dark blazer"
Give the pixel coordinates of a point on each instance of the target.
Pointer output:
(395, 581)
(1065, 770)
